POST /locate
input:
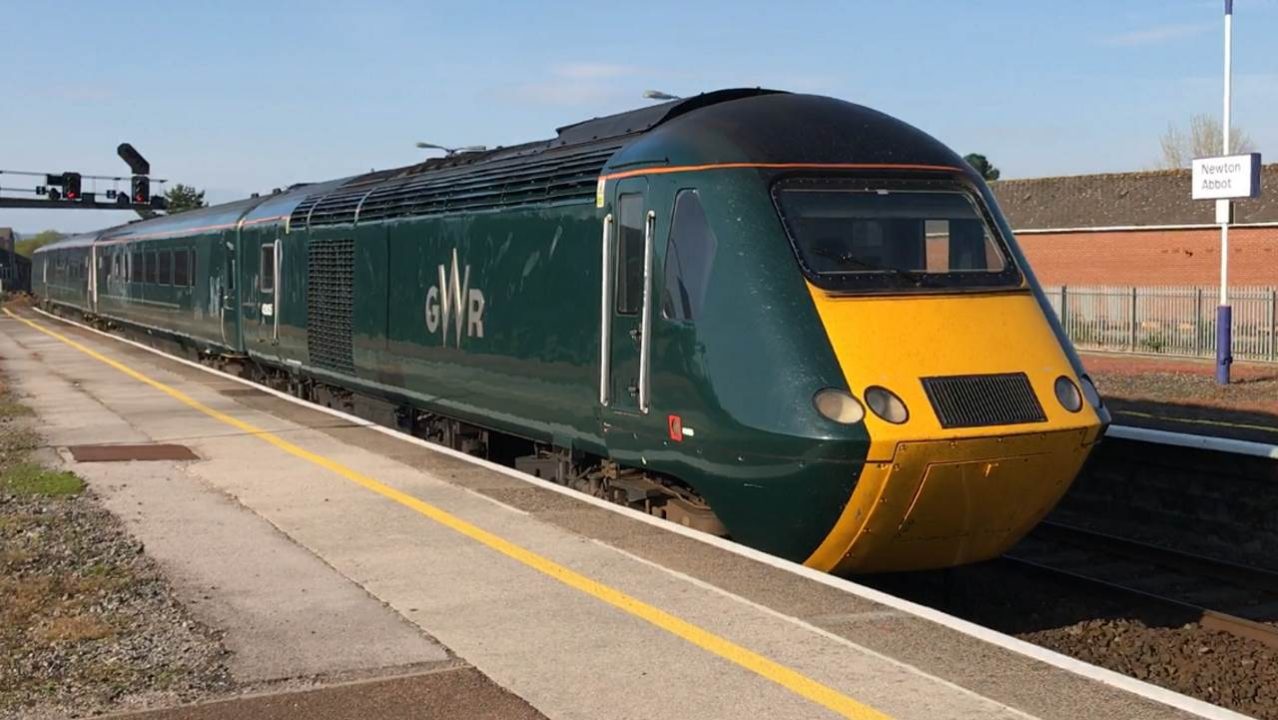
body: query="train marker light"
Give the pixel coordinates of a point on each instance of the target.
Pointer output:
(674, 424)
(886, 404)
(1067, 394)
(839, 406)
(1089, 392)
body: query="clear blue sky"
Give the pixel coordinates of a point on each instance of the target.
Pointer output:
(236, 97)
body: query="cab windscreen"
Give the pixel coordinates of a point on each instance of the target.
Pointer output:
(854, 236)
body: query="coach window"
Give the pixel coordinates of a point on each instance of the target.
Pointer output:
(152, 267)
(689, 256)
(266, 279)
(181, 268)
(166, 267)
(136, 267)
(630, 255)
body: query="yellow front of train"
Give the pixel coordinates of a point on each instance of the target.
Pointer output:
(978, 416)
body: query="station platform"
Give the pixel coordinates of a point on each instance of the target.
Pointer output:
(1181, 395)
(338, 557)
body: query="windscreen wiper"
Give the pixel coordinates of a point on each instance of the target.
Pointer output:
(912, 277)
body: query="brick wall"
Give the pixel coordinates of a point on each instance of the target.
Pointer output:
(1138, 257)
(1152, 257)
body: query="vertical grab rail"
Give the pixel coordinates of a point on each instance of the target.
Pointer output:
(605, 314)
(645, 322)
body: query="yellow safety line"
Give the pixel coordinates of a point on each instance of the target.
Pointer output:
(1197, 421)
(780, 674)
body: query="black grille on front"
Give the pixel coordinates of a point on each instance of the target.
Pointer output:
(329, 297)
(962, 401)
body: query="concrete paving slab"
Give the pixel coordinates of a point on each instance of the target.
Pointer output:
(285, 612)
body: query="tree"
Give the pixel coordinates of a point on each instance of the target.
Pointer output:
(28, 245)
(1202, 140)
(982, 166)
(184, 197)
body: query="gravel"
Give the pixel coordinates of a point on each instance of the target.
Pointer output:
(89, 623)
(1217, 667)
(1152, 645)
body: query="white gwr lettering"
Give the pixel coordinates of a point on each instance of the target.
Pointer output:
(454, 302)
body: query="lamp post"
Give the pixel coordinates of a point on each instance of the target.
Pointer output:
(658, 95)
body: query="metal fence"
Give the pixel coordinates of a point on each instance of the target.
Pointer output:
(1167, 320)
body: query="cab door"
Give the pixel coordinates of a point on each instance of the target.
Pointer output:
(267, 289)
(230, 290)
(626, 308)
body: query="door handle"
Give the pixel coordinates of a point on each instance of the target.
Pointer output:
(633, 390)
(636, 334)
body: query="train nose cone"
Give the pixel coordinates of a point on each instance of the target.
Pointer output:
(950, 502)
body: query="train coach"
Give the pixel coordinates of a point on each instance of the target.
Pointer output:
(785, 318)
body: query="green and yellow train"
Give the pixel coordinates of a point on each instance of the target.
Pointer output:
(785, 318)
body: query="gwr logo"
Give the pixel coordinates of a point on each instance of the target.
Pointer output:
(454, 300)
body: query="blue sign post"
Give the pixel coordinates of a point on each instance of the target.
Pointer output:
(1224, 314)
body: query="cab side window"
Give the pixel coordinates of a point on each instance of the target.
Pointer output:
(689, 258)
(630, 255)
(266, 278)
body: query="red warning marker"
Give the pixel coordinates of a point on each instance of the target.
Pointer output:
(675, 424)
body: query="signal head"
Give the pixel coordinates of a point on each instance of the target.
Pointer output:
(71, 185)
(141, 190)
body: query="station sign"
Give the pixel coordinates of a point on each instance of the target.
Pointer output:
(1230, 176)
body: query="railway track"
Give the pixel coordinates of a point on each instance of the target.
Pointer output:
(1220, 595)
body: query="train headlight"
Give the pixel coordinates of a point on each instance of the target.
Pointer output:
(886, 404)
(839, 406)
(1089, 392)
(1068, 395)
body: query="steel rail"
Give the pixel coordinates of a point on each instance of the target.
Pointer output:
(1253, 578)
(1244, 575)
(1210, 619)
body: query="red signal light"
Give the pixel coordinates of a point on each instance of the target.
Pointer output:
(71, 185)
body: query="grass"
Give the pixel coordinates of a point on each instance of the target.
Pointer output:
(10, 408)
(28, 478)
(74, 628)
(69, 607)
